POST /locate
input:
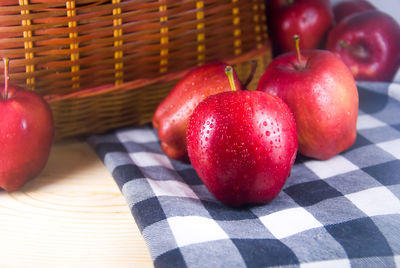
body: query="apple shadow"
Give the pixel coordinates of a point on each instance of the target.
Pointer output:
(372, 101)
(301, 158)
(67, 160)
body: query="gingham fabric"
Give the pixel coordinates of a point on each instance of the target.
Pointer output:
(337, 213)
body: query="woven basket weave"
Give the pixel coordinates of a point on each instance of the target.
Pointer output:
(108, 63)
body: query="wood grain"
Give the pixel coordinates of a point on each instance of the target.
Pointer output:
(72, 215)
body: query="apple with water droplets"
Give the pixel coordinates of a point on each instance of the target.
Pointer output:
(172, 114)
(322, 94)
(26, 134)
(242, 145)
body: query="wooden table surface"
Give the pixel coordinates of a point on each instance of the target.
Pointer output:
(71, 215)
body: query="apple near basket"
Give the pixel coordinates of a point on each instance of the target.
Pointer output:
(103, 64)
(26, 134)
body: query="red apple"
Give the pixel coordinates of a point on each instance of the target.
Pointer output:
(172, 115)
(311, 19)
(321, 92)
(242, 145)
(369, 44)
(26, 135)
(346, 8)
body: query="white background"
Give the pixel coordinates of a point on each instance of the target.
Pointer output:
(391, 7)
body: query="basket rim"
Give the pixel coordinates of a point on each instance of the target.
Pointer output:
(137, 83)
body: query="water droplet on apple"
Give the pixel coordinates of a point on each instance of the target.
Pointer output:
(24, 125)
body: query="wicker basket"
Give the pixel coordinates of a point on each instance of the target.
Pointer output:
(108, 63)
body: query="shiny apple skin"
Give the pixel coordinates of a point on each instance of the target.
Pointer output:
(26, 136)
(242, 145)
(322, 96)
(375, 40)
(310, 19)
(172, 114)
(347, 8)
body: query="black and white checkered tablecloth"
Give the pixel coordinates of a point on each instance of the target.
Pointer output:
(341, 212)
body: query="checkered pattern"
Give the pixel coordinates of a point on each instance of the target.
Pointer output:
(337, 213)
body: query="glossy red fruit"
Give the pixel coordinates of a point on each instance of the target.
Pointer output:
(26, 136)
(369, 44)
(321, 92)
(311, 19)
(347, 8)
(242, 145)
(172, 115)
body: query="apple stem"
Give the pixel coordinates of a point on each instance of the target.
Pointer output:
(6, 61)
(252, 73)
(344, 44)
(296, 39)
(359, 51)
(229, 73)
